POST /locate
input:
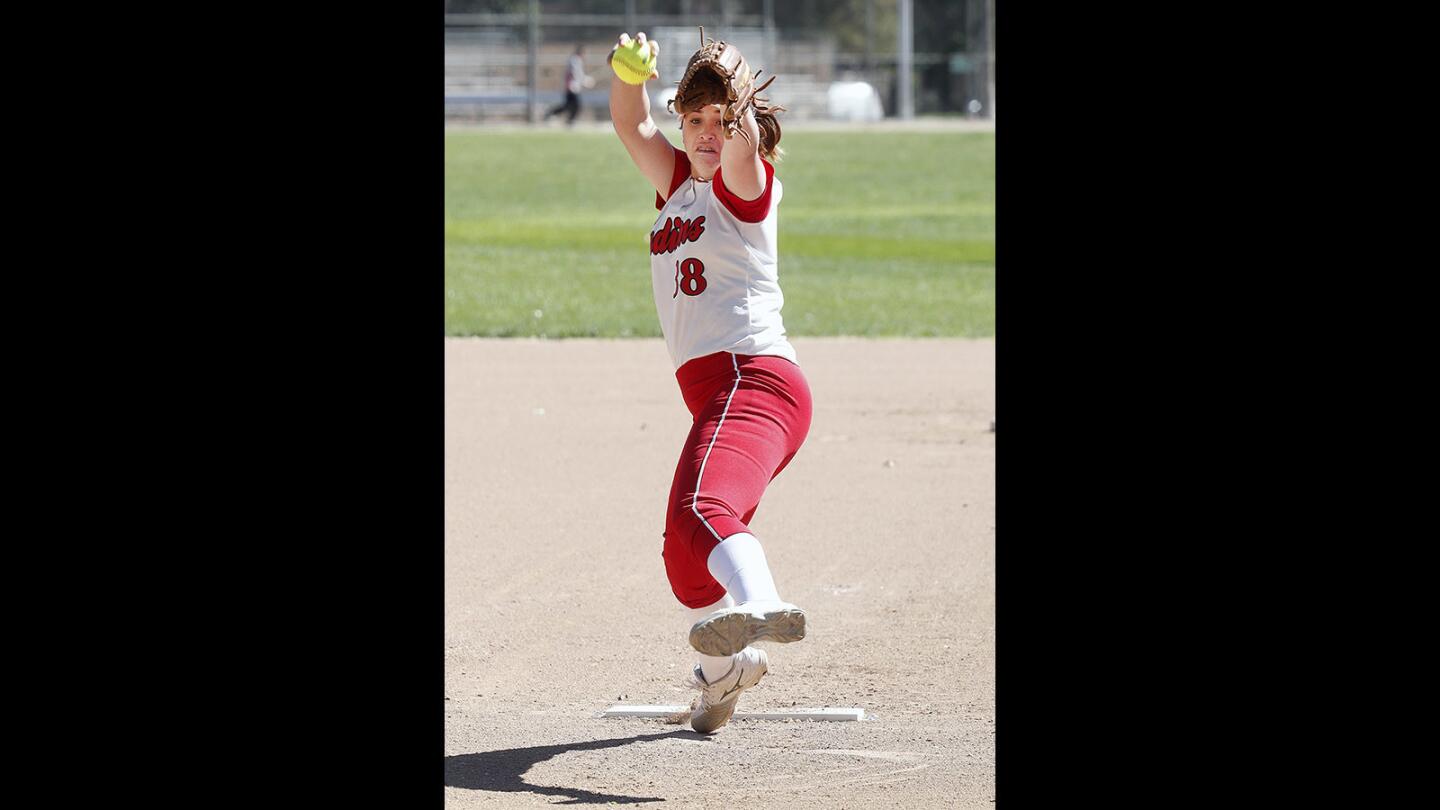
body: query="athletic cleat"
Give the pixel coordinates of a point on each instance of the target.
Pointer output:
(716, 703)
(730, 630)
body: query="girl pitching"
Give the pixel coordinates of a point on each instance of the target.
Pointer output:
(713, 265)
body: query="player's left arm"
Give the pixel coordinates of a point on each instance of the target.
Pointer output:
(740, 166)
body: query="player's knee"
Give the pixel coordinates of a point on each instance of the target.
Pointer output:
(681, 524)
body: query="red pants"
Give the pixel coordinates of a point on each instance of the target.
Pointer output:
(751, 416)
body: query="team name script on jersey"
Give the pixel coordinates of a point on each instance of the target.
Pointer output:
(674, 233)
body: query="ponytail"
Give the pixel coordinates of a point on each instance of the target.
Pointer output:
(769, 127)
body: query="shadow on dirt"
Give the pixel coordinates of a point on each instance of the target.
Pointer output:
(501, 770)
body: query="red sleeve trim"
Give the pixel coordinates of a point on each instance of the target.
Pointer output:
(747, 210)
(680, 175)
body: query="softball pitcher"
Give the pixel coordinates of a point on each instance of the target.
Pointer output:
(713, 266)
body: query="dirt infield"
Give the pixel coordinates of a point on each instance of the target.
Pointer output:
(558, 460)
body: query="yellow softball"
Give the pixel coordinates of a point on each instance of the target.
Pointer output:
(633, 62)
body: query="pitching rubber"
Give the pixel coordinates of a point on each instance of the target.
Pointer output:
(730, 630)
(677, 715)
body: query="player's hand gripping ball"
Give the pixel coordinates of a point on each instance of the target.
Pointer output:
(633, 60)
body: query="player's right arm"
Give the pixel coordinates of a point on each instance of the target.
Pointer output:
(630, 115)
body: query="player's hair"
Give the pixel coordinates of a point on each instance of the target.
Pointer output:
(704, 94)
(769, 135)
(766, 121)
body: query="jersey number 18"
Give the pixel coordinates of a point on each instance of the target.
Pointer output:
(689, 277)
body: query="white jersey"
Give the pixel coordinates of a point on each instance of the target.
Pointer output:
(575, 73)
(713, 266)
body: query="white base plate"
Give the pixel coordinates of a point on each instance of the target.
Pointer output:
(847, 713)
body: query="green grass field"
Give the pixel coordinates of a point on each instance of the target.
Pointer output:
(547, 233)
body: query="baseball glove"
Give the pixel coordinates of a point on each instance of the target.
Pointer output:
(719, 74)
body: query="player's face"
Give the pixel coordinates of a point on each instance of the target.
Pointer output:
(704, 137)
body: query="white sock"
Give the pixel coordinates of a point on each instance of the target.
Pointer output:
(712, 666)
(739, 564)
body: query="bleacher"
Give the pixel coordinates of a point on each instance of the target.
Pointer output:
(486, 73)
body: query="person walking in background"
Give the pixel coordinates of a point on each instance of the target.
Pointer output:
(575, 81)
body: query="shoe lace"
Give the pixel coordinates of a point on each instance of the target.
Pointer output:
(694, 681)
